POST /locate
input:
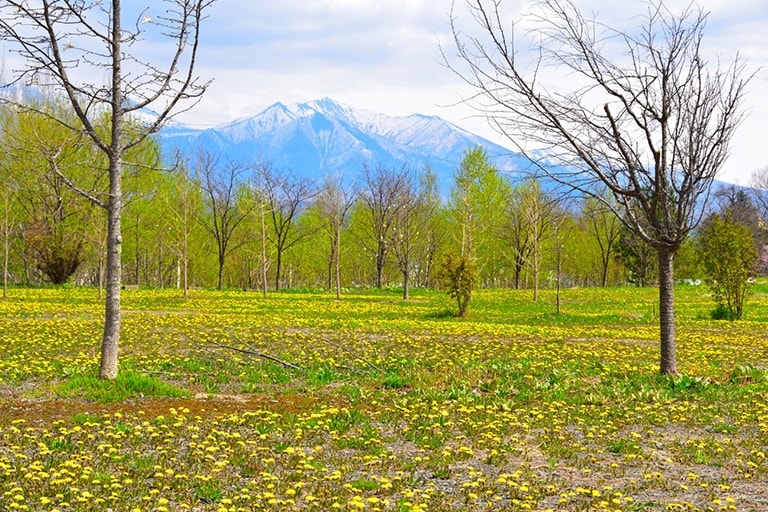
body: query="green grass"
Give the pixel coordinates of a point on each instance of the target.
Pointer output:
(395, 405)
(127, 385)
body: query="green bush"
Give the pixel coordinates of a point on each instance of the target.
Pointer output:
(457, 276)
(729, 258)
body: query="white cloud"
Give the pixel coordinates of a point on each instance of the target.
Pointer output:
(383, 55)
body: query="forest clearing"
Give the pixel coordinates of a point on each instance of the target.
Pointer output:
(228, 400)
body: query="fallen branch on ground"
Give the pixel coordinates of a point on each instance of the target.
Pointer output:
(286, 364)
(353, 354)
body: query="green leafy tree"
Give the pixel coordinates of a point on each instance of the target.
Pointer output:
(457, 275)
(639, 259)
(478, 195)
(433, 227)
(56, 220)
(182, 200)
(8, 196)
(729, 258)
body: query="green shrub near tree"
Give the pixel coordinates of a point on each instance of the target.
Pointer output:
(457, 276)
(728, 258)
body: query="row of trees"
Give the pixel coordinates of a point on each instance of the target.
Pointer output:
(215, 222)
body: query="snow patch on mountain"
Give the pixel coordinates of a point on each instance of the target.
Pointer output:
(323, 136)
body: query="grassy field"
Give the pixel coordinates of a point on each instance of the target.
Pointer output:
(228, 401)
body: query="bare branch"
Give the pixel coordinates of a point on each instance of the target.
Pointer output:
(643, 116)
(256, 353)
(353, 354)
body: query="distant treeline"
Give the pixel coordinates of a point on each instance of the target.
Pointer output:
(213, 222)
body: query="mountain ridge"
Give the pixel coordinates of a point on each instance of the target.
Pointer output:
(322, 136)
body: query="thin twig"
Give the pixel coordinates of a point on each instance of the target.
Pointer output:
(353, 354)
(259, 354)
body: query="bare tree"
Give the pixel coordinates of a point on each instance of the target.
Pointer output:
(383, 187)
(516, 232)
(285, 198)
(334, 201)
(84, 49)
(647, 118)
(407, 223)
(605, 228)
(759, 189)
(225, 204)
(433, 229)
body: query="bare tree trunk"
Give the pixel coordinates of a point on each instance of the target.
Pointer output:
(6, 245)
(667, 310)
(380, 255)
(220, 284)
(137, 249)
(112, 313)
(112, 318)
(331, 262)
(278, 269)
(185, 269)
(160, 264)
(6, 254)
(536, 272)
(101, 271)
(559, 273)
(338, 265)
(264, 282)
(406, 283)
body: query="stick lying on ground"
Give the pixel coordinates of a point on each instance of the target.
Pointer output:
(260, 354)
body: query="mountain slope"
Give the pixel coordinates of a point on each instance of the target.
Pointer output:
(321, 137)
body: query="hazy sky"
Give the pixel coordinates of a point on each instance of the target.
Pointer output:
(384, 56)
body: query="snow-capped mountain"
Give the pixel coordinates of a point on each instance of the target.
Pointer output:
(321, 137)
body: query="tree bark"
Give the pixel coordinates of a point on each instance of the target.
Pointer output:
(113, 316)
(278, 269)
(264, 282)
(536, 271)
(380, 257)
(337, 262)
(185, 269)
(406, 282)
(6, 244)
(112, 313)
(667, 310)
(220, 284)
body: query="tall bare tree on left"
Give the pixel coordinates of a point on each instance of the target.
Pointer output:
(101, 66)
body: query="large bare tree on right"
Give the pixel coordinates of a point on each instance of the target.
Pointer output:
(640, 113)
